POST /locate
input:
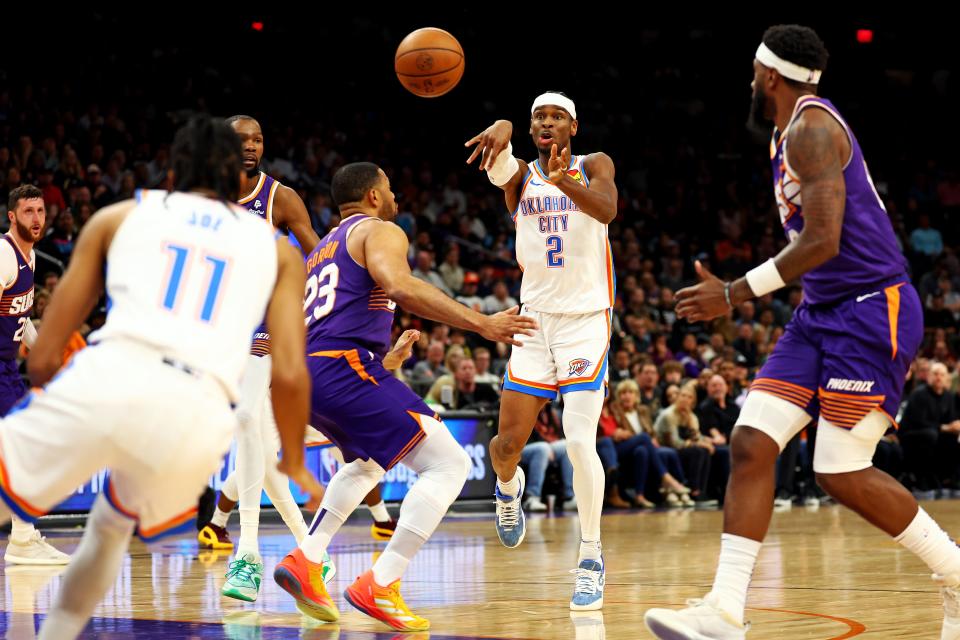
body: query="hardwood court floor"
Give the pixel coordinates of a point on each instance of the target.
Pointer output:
(822, 574)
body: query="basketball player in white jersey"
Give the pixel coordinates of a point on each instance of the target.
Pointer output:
(150, 398)
(561, 205)
(27, 214)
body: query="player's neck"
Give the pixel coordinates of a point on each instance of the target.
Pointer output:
(786, 108)
(25, 246)
(248, 184)
(357, 211)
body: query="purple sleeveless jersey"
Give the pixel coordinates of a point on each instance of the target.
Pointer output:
(359, 405)
(344, 307)
(260, 202)
(848, 348)
(15, 307)
(869, 253)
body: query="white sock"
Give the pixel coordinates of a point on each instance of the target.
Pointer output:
(379, 512)
(93, 569)
(389, 567)
(220, 518)
(590, 550)
(325, 525)
(738, 556)
(581, 412)
(346, 490)
(924, 537)
(20, 531)
(510, 487)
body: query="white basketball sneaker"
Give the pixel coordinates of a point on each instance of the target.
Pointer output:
(35, 550)
(701, 620)
(950, 590)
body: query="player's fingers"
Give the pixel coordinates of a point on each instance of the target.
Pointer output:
(476, 152)
(474, 140)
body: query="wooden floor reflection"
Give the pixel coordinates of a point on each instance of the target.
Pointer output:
(822, 574)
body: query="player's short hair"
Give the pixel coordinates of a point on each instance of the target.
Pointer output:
(23, 192)
(239, 117)
(797, 44)
(206, 154)
(352, 182)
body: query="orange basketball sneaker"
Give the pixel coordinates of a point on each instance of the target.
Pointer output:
(384, 603)
(304, 581)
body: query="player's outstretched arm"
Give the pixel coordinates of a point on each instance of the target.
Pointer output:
(290, 382)
(818, 150)
(77, 293)
(493, 148)
(292, 213)
(385, 253)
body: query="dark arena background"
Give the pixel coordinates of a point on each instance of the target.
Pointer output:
(90, 99)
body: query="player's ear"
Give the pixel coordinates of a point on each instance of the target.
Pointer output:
(574, 126)
(373, 197)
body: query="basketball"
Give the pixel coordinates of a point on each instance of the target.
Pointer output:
(429, 62)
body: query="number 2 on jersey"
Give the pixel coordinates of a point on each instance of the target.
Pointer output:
(181, 259)
(554, 251)
(322, 290)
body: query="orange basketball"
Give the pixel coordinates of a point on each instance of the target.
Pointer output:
(429, 62)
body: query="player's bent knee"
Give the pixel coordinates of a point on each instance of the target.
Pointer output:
(750, 446)
(775, 417)
(840, 450)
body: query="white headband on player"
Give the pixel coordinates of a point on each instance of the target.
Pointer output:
(556, 100)
(787, 69)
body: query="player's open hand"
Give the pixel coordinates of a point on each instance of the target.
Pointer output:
(557, 165)
(503, 326)
(704, 301)
(490, 143)
(302, 477)
(402, 350)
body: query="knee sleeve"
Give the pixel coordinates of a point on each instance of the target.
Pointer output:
(779, 419)
(842, 450)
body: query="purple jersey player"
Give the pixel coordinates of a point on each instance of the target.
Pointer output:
(843, 358)
(27, 216)
(355, 278)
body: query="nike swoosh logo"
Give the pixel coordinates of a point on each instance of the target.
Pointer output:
(23, 266)
(869, 295)
(536, 184)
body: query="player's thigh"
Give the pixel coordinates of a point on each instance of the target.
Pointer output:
(530, 369)
(579, 345)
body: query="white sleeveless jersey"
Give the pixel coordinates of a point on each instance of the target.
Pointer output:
(564, 253)
(180, 278)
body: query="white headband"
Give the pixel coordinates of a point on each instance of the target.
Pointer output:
(556, 100)
(786, 68)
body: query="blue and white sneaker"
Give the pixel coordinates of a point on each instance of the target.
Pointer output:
(511, 526)
(588, 588)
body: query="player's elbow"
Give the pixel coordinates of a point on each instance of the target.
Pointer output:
(608, 215)
(398, 290)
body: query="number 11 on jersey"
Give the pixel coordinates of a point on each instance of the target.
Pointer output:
(181, 261)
